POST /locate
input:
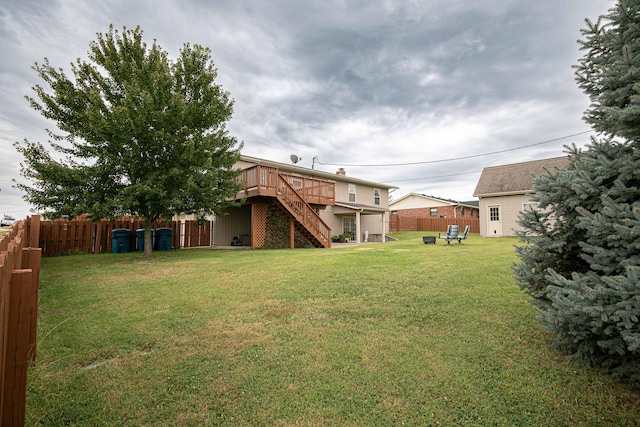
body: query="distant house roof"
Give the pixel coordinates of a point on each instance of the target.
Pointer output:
(515, 178)
(449, 202)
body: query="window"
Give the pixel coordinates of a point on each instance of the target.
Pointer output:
(529, 207)
(494, 214)
(433, 211)
(352, 192)
(376, 196)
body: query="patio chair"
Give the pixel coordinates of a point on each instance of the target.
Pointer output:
(452, 233)
(464, 234)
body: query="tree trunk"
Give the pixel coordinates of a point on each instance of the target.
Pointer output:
(148, 239)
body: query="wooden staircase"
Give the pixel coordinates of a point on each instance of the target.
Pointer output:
(307, 221)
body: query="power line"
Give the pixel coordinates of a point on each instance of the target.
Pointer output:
(433, 177)
(456, 158)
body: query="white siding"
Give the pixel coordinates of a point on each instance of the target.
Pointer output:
(416, 202)
(510, 207)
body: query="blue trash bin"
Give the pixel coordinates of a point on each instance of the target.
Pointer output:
(120, 240)
(163, 239)
(140, 239)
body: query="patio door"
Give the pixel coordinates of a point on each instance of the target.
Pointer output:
(494, 221)
(349, 227)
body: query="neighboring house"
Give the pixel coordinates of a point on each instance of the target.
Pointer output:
(422, 206)
(301, 207)
(505, 191)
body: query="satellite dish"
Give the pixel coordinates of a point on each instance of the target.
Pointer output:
(294, 159)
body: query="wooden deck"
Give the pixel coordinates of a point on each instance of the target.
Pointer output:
(263, 181)
(296, 196)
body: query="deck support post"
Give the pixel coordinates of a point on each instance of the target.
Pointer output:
(292, 234)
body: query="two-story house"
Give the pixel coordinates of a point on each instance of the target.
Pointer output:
(285, 205)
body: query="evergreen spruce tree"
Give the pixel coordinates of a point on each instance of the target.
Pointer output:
(581, 258)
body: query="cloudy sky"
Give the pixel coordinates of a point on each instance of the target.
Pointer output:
(390, 90)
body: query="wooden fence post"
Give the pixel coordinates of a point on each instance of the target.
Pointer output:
(31, 258)
(6, 263)
(17, 348)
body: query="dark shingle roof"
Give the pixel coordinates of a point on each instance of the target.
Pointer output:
(516, 177)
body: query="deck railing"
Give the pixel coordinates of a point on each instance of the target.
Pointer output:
(263, 181)
(314, 191)
(303, 212)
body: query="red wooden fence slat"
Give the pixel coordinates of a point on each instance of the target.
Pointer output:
(19, 275)
(6, 260)
(17, 349)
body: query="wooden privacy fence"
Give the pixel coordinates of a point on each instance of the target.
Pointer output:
(397, 223)
(81, 235)
(19, 276)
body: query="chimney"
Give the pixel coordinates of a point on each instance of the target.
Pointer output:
(341, 171)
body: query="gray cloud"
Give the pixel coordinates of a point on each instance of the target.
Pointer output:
(351, 82)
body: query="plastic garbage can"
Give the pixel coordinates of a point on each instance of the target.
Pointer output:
(120, 240)
(140, 239)
(163, 239)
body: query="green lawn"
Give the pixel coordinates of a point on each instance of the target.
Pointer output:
(399, 333)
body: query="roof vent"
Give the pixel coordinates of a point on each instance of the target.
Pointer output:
(341, 171)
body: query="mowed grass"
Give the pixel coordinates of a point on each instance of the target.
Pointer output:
(399, 333)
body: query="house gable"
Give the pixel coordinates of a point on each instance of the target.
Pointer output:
(515, 178)
(415, 200)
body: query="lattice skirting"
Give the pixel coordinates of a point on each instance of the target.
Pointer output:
(259, 213)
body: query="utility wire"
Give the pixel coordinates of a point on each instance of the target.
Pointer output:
(457, 158)
(433, 177)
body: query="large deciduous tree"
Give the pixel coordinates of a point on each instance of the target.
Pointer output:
(581, 260)
(138, 134)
